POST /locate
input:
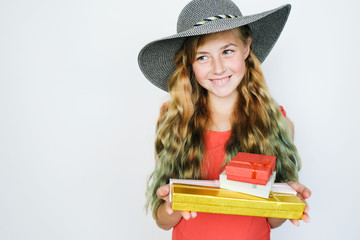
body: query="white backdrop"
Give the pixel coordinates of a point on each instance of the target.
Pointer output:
(77, 117)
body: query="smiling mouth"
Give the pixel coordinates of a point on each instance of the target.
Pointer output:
(221, 81)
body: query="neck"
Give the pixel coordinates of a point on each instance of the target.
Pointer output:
(221, 110)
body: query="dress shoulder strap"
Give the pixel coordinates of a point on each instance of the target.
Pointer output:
(283, 111)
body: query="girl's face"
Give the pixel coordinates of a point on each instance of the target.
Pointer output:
(219, 64)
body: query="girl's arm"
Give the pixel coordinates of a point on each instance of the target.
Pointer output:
(291, 125)
(166, 218)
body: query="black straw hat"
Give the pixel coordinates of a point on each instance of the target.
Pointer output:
(209, 16)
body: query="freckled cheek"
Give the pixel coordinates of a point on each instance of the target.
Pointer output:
(239, 69)
(200, 73)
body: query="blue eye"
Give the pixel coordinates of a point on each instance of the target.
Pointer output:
(202, 58)
(228, 51)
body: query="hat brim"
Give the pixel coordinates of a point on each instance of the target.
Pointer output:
(156, 58)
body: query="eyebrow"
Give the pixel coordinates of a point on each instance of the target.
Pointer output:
(228, 45)
(222, 48)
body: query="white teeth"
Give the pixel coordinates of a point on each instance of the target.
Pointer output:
(220, 81)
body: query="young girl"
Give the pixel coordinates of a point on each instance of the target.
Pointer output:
(219, 106)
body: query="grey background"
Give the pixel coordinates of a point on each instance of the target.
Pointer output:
(77, 117)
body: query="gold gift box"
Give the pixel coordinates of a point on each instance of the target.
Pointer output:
(218, 200)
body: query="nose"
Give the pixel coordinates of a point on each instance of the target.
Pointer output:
(218, 66)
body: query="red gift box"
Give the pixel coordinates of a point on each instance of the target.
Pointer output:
(251, 168)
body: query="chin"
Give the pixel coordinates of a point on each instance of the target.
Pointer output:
(224, 94)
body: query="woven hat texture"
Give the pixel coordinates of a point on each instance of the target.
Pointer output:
(156, 58)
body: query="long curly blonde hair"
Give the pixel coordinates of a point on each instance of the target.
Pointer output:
(258, 125)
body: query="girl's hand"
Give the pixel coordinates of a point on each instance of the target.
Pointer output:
(303, 193)
(163, 193)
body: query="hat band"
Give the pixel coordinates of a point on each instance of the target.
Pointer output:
(209, 19)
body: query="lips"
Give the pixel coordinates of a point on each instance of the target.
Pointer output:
(221, 81)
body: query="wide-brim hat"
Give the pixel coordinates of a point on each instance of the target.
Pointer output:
(209, 16)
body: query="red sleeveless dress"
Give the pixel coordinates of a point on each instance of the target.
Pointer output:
(210, 226)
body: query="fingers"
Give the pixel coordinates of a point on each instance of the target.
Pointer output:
(306, 192)
(303, 193)
(307, 208)
(295, 222)
(188, 215)
(300, 188)
(163, 192)
(169, 209)
(306, 218)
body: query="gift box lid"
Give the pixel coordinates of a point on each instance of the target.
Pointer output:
(217, 200)
(251, 168)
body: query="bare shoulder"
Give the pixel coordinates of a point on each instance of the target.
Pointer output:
(290, 123)
(164, 107)
(163, 110)
(291, 126)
